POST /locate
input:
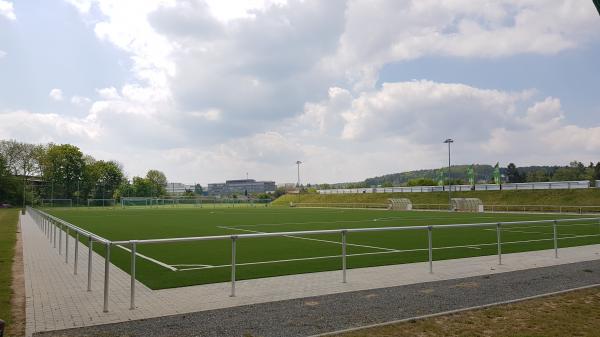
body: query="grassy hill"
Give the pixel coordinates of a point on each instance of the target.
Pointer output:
(587, 197)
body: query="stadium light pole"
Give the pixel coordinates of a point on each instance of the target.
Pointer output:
(298, 163)
(298, 183)
(449, 141)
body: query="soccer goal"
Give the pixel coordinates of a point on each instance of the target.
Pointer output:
(163, 202)
(101, 202)
(56, 202)
(188, 201)
(400, 204)
(135, 201)
(467, 204)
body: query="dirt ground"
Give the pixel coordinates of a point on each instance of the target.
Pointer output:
(17, 328)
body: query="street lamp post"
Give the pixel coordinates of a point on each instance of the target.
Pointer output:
(449, 141)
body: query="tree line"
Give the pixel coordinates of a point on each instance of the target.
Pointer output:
(31, 172)
(574, 171)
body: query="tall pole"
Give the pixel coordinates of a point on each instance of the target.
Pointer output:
(298, 183)
(298, 163)
(449, 141)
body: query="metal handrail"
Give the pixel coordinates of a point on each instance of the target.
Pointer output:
(48, 223)
(70, 225)
(339, 231)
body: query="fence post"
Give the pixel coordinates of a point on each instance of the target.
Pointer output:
(90, 250)
(233, 265)
(554, 225)
(106, 275)
(54, 234)
(133, 253)
(76, 253)
(430, 241)
(498, 235)
(344, 265)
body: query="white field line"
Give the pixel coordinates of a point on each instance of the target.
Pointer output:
(310, 239)
(550, 226)
(150, 259)
(517, 231)
(356, 221)
(476, 246)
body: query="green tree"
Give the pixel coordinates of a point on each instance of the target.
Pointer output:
(422, 182)
(9, 185)
(63, 167)
(537, 176)
(513, 175)
(142, 187)
(198, 189)
(104, 178)
(158, 181)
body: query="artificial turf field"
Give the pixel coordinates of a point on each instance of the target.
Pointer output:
(171, 265)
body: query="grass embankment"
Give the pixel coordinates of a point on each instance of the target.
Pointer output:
(572, 314)
(587, 197)
(8, 236)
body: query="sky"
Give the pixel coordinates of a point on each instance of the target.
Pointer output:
(211, 90)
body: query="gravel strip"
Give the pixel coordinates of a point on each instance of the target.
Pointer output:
(315, 315)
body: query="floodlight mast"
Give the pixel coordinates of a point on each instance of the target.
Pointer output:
(449, 141)
(298, 183)
(298, 163)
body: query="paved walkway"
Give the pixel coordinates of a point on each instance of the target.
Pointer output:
(57, 299)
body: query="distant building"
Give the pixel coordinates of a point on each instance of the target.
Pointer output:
(178, 188)
(287, 186)
(241, 186)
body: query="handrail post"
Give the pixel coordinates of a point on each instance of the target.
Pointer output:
(90, 250)
(344, 256)
(76, 253)
(233, 238)
(133, 254)
(430, 247)
(106, 275)
(60, 241)
(554, 225)
(67, 245)
(54, 233)
(499, 237)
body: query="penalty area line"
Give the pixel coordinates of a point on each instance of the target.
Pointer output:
(162, 264)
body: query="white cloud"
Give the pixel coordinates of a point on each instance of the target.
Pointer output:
(56, 94)
(41, 128)
(2, 53)
(80, 100)
(7, 10)
(83, 6)
(219, 88)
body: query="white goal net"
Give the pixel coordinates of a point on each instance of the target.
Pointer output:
(400, 204)
(467, 204)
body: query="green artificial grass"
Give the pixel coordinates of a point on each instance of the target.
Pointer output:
(8, 229)
(309, 253)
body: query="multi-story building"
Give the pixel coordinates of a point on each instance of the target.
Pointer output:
(178, 188)
(241, 186)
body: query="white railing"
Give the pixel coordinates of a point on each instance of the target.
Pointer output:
(50, 225)
(553, 185)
